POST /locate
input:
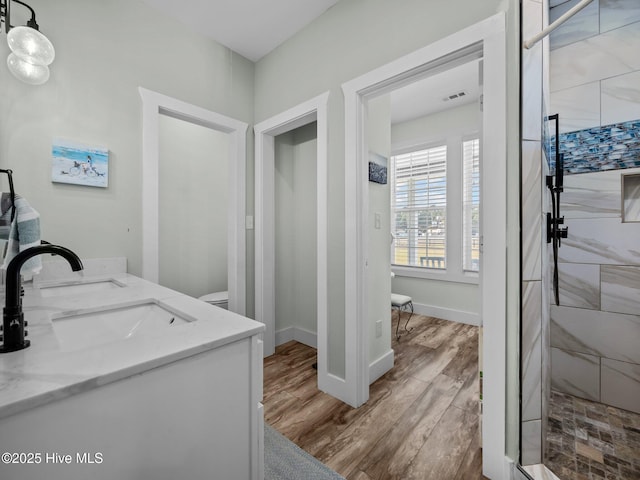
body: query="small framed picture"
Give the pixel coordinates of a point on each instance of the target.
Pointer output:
(79, 164)
(377, 168)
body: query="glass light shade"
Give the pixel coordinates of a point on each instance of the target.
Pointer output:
(31, 45)
(26, 72)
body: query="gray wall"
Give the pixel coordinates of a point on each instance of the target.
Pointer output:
(378, 137)
(295, 229)
(104, 52)
(193, 207)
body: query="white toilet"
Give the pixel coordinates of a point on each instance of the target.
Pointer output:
(219, 299)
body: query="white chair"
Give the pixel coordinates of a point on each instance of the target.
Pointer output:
(402, 303)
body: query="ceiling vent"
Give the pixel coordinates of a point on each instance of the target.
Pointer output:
(454, 96)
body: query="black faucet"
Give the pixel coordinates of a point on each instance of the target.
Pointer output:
(12, 319)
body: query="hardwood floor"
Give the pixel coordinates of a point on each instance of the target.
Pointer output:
(421, 420)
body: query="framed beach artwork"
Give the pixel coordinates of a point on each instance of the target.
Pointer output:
(79, 164)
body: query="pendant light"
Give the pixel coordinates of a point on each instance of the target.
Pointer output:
(32, 52)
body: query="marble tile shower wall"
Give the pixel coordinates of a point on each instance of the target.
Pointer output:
(535, 306)
(596, 329)
(595, 66)
(595, 82)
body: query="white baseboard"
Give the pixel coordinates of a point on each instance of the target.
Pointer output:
(450, 314)
(335, 386)
(298, 334)
(380, 366)
(328, 383)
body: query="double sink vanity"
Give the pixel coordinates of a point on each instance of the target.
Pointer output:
(127, 379)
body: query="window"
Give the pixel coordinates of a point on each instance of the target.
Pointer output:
(424, 236)
(471, 205)
(419, 202)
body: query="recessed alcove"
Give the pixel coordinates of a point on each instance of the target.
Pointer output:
(631, 198)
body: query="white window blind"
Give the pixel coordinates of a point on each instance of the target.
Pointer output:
(471, 205)
(419, 201)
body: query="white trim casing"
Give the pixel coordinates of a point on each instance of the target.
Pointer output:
(299, 334)
(153, 105)
(489, 38)
(435, 274)
(460, 316)
(381, 366)
(314, 109)
(494, 261)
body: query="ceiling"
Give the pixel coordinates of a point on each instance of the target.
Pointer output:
(251, 28)
(432, 94)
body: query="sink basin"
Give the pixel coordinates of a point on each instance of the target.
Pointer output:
(79, 329)
(79, 287)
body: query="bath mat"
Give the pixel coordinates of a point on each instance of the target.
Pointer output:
(284, 460)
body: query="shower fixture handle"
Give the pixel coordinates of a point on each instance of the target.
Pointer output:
(555, 184)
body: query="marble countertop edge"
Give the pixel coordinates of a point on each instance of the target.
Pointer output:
(45, 372)
(18, 405)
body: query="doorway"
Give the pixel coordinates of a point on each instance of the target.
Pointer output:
(155, 105)
(193, 207)
(424, 213)
(488, 38)
(295, 236)
(308, 113)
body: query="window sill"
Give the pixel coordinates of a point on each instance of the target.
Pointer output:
(435, 274)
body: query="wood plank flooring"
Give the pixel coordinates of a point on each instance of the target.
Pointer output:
(420, 422)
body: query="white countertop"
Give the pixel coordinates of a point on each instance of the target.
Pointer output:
(45, 372)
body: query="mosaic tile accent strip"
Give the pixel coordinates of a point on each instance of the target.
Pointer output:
(591, 441)
(611, 147)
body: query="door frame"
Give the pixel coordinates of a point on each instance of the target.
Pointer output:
(155, 104)
(312, 110)
(490, 37)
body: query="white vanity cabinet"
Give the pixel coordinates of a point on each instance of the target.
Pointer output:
(194, 413)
